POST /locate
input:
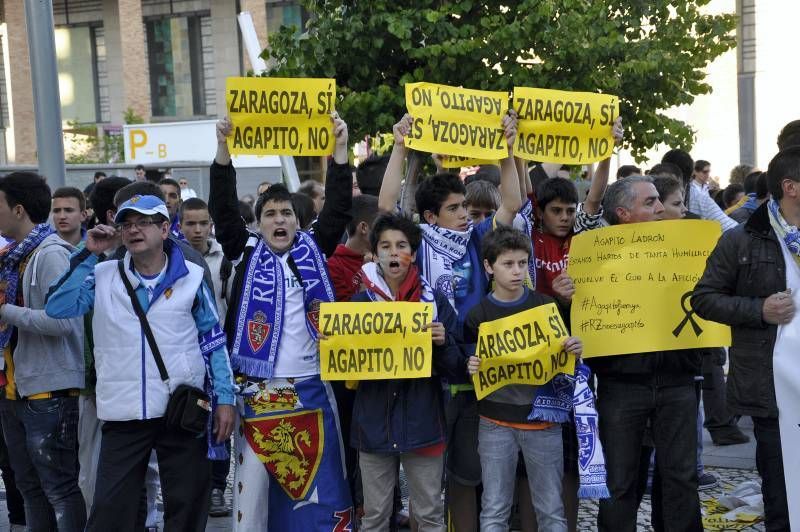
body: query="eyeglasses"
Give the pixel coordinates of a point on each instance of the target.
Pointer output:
(140, 224)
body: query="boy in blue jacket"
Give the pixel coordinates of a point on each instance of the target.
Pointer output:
(404, 418)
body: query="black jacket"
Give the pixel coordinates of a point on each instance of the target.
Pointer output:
(397, 416)
(232, 234)
(745, 268)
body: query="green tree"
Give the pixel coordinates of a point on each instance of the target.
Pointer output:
(650, 53)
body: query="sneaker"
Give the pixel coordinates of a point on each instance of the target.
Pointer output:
(707, 481)
(218, 506)
(735, 437)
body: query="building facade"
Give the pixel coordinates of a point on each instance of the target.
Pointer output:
(126, 60)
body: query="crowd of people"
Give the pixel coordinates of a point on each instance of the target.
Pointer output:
(152, 340)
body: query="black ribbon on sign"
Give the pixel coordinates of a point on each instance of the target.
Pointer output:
(688, 318)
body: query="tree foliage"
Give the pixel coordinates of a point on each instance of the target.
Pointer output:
(650, 53)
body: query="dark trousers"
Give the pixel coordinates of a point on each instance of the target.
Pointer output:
(624, 409)
(42, 441)
(14, 501)
(183, 467)
(718, 419)
(220, 470)
(769, 461)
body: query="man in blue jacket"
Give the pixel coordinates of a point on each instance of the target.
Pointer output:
(131, 395)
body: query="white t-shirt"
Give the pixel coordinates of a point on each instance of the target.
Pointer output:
(297, 352)
(151, 282)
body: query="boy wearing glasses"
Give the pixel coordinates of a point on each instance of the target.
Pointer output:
(131, 397)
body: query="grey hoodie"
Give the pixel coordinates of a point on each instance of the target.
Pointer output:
(49, 352)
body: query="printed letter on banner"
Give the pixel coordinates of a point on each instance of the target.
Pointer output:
(455, 121)
(564, 127)
(634, 284)
(525, 348)
(281, 116)
(369, 341)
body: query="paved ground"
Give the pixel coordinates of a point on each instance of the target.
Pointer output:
(732, 464)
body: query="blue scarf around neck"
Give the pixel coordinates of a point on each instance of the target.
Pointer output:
(259, 319)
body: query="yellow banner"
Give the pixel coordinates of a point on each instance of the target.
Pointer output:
(633, 287)
(450, 161)
(525, 348)
(456, 121)
(281, 116)
(564, 127)
(369, 341)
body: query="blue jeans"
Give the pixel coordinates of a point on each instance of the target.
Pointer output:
(543, 451)
(624, 408)
(42, 440)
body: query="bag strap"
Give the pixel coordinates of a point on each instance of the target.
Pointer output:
(137, 307)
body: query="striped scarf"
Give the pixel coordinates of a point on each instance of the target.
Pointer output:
(788, 234)
(10, 258)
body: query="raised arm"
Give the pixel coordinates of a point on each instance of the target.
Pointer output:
(600, 179)
(509, 182)
(223, 201)
(393, 177)
(335, 215)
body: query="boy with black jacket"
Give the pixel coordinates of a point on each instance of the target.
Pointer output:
(404, 418)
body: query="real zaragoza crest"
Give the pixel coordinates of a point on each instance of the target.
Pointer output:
(257, 331)
(290, 447)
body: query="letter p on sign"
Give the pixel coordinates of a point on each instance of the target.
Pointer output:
(138, 139)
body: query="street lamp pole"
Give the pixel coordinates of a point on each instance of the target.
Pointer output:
(46, 101)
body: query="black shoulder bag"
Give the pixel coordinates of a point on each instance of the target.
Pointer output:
(188, 407)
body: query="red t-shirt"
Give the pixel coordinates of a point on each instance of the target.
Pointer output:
(343, 267)
(551, 254)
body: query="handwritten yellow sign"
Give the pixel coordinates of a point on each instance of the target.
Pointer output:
(377, 340)
(525, 348)
(281, 116)
(564, 127)
(456, 121)
(633, 287)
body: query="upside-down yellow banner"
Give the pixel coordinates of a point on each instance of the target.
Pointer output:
(456, 121)
(564, 127)
(633, 287)
(525, 348)
(377, 340)
(281, 116)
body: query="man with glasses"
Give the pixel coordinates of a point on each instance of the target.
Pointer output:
(131, 397)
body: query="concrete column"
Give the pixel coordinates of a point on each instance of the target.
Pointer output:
(226, 47)
(21, 133)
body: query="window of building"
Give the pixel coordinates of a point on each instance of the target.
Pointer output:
(285, 13)
(80, 59)
(176, 63)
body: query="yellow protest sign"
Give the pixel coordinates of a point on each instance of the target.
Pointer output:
(280, 116)
(564, 127)
(525, 348)
(633, 287)
(377, 340)
(456, 121)
(451, 161)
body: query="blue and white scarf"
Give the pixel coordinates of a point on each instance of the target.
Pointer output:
(554, 402)
(259, 319)
(788, 233)
(210, 342)
(12, 256)
(524, 218)
(439, 249)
